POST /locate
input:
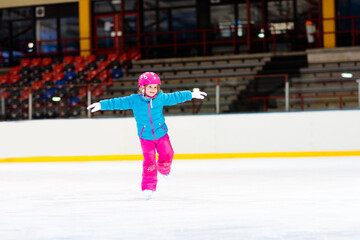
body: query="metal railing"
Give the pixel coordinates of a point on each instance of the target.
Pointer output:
(218, 81)
(319, 96)
(302, 99)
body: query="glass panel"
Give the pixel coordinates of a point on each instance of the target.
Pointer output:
(176, 3)
(256, 14)
(149, 21)
(256, 18)
(105, 30)
(163, 21)
(280, 15)
(223, 17)
(69, 29)
(4, 44)
(130, 5)
(149, 4)
(17, 13)
(107, 6)
(46, 30)
(347, 25)
(152, 25)
(184, 19)
(22, 31)
(130, 27)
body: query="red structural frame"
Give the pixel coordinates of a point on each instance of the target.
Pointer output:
(143, 41)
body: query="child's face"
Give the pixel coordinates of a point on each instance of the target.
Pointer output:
(151, 89)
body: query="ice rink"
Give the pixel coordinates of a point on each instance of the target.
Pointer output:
(249, 199)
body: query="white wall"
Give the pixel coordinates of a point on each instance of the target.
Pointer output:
(232, 133)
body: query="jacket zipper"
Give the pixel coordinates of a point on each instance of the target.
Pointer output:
(142, 131)
(152, 127)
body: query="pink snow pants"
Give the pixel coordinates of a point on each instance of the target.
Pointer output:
(150, 166)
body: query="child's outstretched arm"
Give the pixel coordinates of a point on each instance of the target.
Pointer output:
(121, 103)
(182, 96)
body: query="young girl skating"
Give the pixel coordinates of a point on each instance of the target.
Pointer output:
(147, 107)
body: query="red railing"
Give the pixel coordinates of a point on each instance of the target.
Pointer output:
(204, 38)
(319, 34)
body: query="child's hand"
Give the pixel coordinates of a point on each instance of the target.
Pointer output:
(94, 107)
(199, 95)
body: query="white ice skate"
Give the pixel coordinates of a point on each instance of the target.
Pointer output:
(166, 177)
(148, 194)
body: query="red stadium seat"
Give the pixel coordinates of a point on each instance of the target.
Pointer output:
(79, 67)
(135, 55)
(123, 57)
(68, 60)
(35, 62)
(110, 81)
(112, 57)
(91, 58)
(14, 71)
(37, 85)
(25, 62)
(47, 76)
(14, 79)
(82, 92)
(97, 92)
(103, 65)
(104, 75)
(58, 68)
(6, 94)
(24, 94)
(59, 76)
(79, 59)
(92, 74)
(46, 61)
(4, 79)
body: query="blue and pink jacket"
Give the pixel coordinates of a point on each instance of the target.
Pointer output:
(148, 112)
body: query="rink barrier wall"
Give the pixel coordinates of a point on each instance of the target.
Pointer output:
(182, 156)
(259, 135)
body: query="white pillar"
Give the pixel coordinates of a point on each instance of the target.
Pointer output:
(287, 96)
(217, 98)
(89, 101)
(2, 104)
(30, 105)
(358, 81)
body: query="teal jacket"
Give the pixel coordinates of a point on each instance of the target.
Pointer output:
(148, 112)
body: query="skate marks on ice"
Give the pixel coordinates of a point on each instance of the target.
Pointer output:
(255, 199)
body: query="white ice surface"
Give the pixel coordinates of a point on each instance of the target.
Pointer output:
(262, 199)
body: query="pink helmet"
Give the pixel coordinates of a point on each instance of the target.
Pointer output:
(148, 78)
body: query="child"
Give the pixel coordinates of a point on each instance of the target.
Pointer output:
(147, 107)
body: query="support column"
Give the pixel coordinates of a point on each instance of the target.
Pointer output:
(248, 19)
(328, 10)
(85, 27)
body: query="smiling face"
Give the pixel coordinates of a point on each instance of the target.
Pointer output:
(151, 89)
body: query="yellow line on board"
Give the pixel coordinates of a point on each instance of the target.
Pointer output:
(182, 156)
